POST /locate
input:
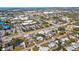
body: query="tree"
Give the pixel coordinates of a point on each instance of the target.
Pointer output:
(0, 27)
(55, 17)
(40, 35)
(16, 41)
(0, 46)
(61, 29)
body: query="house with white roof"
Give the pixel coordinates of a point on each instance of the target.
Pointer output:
(70, 48)
(43, 48)
(39, 38)
(52, 45)
(64, 39)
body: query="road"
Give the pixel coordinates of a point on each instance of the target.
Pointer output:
(47, 40)
(43, 42)
(36, 31)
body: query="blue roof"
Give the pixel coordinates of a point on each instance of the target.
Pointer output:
(1, 23)
(6, 27)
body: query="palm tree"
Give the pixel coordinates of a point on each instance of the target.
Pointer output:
(0, 27)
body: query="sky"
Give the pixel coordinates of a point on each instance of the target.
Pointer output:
(39, 3)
